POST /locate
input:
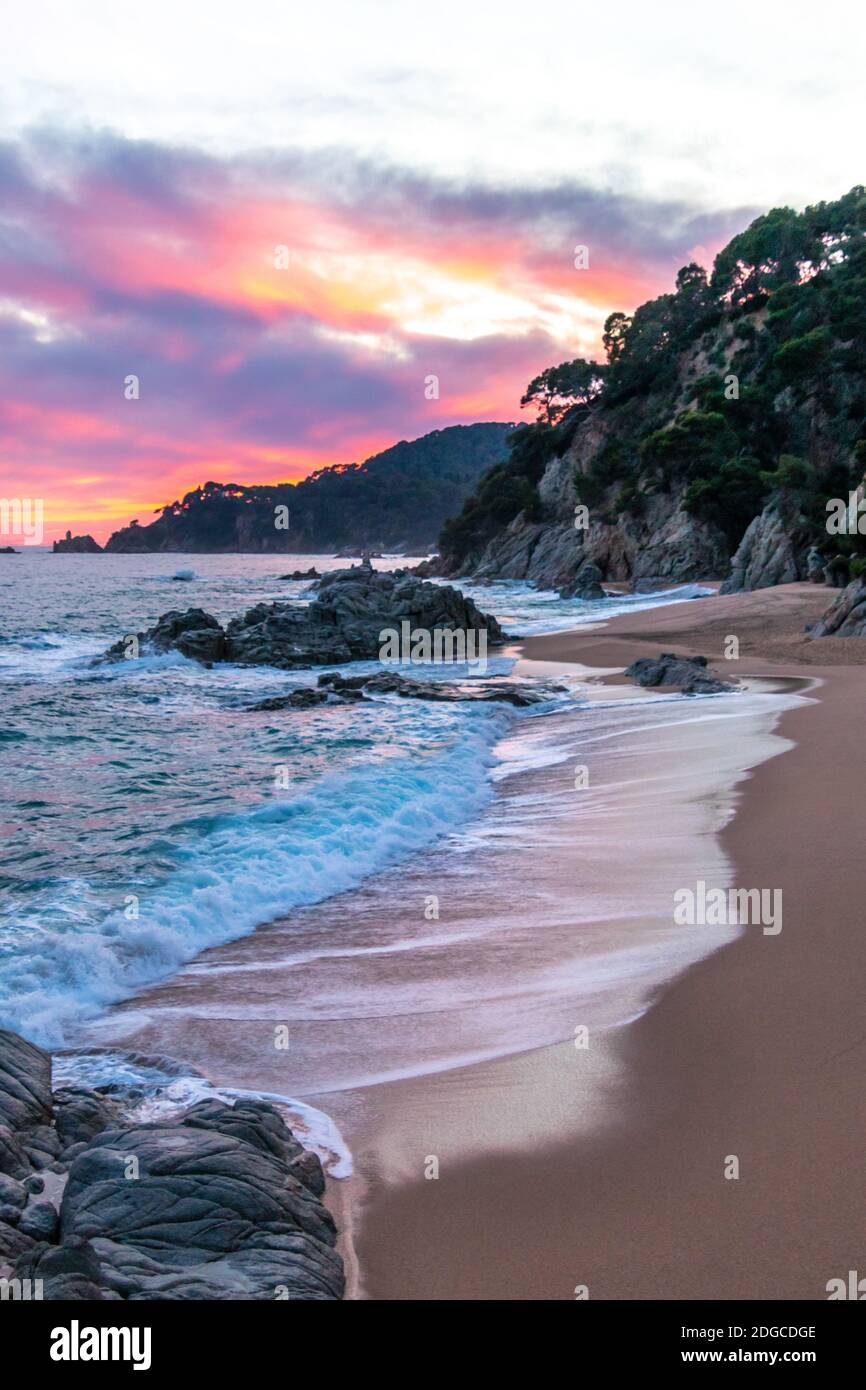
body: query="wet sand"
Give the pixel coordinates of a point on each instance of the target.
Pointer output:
(606, 1168)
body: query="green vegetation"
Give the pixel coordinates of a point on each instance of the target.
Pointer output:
(399, 498)
(712, 393)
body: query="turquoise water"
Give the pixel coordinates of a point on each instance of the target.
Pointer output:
(149, 814)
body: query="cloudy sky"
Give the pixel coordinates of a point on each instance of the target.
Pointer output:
(283, 218)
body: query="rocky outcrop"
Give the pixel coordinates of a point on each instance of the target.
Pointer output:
(219, 1203)
(664, 543)
(774, 550)
(687, 673)
(846, 616)
(194, 633)
(76, 545)
(343, 623)
(390, 683)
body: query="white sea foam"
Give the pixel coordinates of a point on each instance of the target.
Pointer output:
(248, 869)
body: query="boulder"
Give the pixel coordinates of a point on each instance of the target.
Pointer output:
(586, 583)
(689, 673)
(80, 1113)
(846, 616)
(224, 1206)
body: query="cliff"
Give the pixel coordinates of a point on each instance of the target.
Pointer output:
(708, 444)
(396, 500)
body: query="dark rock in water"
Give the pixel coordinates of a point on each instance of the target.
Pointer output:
(389, 683)
(305, 698)
(195, 634)
(76, 545)
(345, 622)
(586, 583)
(311, 573)
(80, 1113)
(8, 550)
(219, 1209)
(688, 672)
(846, 616)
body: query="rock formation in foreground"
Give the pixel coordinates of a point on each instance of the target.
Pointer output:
(344, 623)
(220, 1203)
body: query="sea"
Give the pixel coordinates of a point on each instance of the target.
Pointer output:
(149, 815)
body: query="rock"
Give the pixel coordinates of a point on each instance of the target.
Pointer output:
(195, 634)
(846, 616)
(304, 698)
(773, 551)
(586, 583)
(311, 573)
(837, 571)
(39, 1221)
(689, 673)
(346, 620)
(25, 1083)
(8, 550)
(389, 683)
(35, 1183)
(42, 1146)
(70, 1271)
(344, 623)
(76, 545)
(14, 1161)
(219, 1209)
(13, 1242)
(815, 566)
(80, 1113)
(26, 1137)
(12, 1192)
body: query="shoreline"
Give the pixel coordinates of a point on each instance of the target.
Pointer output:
(751, 1052)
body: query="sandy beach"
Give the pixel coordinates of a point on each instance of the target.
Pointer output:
(755, 1053)
(451, 1045)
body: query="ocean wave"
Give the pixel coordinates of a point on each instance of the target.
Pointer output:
(250, 868)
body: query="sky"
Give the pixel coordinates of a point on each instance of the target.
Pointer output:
(237, 241)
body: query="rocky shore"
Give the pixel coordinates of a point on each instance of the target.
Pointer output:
(220, 1203)
(343, 623)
